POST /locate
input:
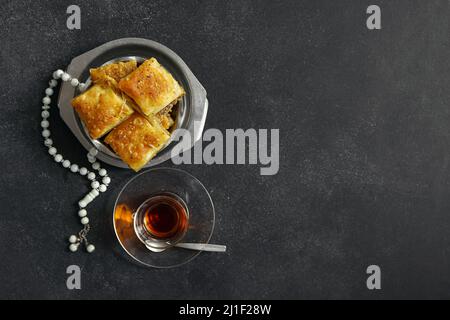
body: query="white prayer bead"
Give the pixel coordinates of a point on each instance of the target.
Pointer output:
(44, 124)
(85, 201)
(91, 176)
(83, 171)
(74, 82)
(46, 133)
(57, 74)
(49, 91)
(45, 114)
(92, 195)
(93, 152)
(81, 87)
(102, 188)
(90, 248)
(106, 180)
(74, 168)
(95, 192)
(91, 159)
(53, 83)
(46, 100)
(102, 172)
(73, 239)
(84, 220)
(66, 163)
(45, 107)
(82, 213)
(95, 184)
(65, 77)
(73, 247)
(52, 151)
(96, 166)
(48, 142)
(82, 203)
(58, 158)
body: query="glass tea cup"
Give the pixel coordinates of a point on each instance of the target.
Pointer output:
(161, 221)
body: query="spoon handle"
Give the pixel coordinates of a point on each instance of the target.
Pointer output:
(202, 247)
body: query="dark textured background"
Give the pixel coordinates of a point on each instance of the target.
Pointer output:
(364, 155)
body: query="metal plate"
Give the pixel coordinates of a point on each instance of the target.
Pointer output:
(191, 112)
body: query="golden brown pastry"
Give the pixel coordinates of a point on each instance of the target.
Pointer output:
(101, 108)
(137, 140)
(166, 120)
(152, 87)
(165, 117)
(112, 73)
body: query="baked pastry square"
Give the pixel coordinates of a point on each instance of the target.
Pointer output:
(101, 108)
(137, 140)
(112, 73)
(152, 87)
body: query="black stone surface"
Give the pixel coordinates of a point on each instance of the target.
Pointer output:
(364, 151)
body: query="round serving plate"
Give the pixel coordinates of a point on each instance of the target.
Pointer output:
(190, 112)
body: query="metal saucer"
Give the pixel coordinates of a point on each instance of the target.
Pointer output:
(192, 109)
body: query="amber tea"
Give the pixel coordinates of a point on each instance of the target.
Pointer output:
(161, 219)
(164, 217)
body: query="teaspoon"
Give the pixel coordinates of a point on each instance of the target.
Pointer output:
(194, 246)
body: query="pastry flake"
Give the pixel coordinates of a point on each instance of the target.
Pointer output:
(152, 87)
(112, 73)
(137, 140)
(101, 108)
(166, 120)
(165, 117)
